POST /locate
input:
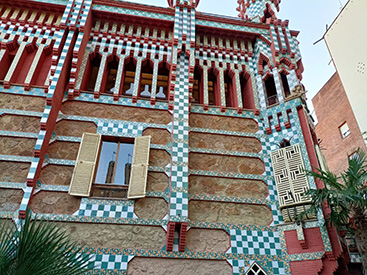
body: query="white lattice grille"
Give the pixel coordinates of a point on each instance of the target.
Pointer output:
(290, 176)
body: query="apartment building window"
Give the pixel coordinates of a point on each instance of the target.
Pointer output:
(111, 167)
(344, 130)
(353, 155)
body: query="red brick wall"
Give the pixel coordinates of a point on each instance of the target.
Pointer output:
(332, 110)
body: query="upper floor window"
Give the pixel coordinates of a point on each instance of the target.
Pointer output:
(285, 84)
(344, 130)
(271, 90)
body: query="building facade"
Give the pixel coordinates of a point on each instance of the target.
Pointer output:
(162, 139)
(337, 127)
(350, 59)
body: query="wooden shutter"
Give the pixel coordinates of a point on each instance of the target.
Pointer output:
(139, 168)
(290, 176)
(83, 175)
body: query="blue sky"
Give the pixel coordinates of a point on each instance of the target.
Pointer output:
(310, 17)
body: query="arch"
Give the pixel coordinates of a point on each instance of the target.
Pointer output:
(213, 87)
(198, 88)
(270, 89)
(146, 78)
(230, 89)
(163, 79)
(263, 60)
(248, 100)
(128, 75)
(91, 71)
(111, 73)
(286, 61)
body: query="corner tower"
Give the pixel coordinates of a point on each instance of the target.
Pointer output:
(258, 10)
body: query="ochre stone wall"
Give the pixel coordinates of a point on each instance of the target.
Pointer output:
(207, 240)
(223, 123)
(55, 203)
(157, 182)
(207, 211)
(15, 123)
(17, 146)
(159, 266)
(243, 165)
(22, 102)
(56, 174)
(63, 150)
(14, 171)
(116, 112)
(10, 199)
(225, 142)
(227, 187)
(151, 208)
(159, 158)
(159, 136)
(74, 128)
(116, 235)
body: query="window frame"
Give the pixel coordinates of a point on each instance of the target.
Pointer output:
(83, 178)
(341, 132)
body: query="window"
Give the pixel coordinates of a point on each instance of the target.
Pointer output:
(255, 269)
(353, 155)
(344, 130)
(230, 93)
(271, 90)
(113, 168)
(285, 84)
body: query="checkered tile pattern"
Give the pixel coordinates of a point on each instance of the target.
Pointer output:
(180, 147)
(99, 208)
(355, 258)
(109, 261)
(26, 198)
(119, 129)
(277, 215)
(255, 242)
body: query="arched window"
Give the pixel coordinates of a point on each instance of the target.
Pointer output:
(163, 77)
(146, 78)
(198, 88)
(285, 84)
(91, 72)
(248, 100)
(229, 87)
(270, 90)
(128, 76)
(213, 87)
(111, 70)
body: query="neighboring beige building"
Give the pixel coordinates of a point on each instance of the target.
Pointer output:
(347, 47)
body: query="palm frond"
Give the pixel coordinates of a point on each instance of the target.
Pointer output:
(42, 248)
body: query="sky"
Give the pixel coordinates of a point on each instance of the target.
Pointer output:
(310, 17)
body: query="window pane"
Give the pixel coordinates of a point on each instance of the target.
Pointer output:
(106, 162)
(124, 163)
(344, 130)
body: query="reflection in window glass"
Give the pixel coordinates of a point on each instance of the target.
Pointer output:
(114, 163)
